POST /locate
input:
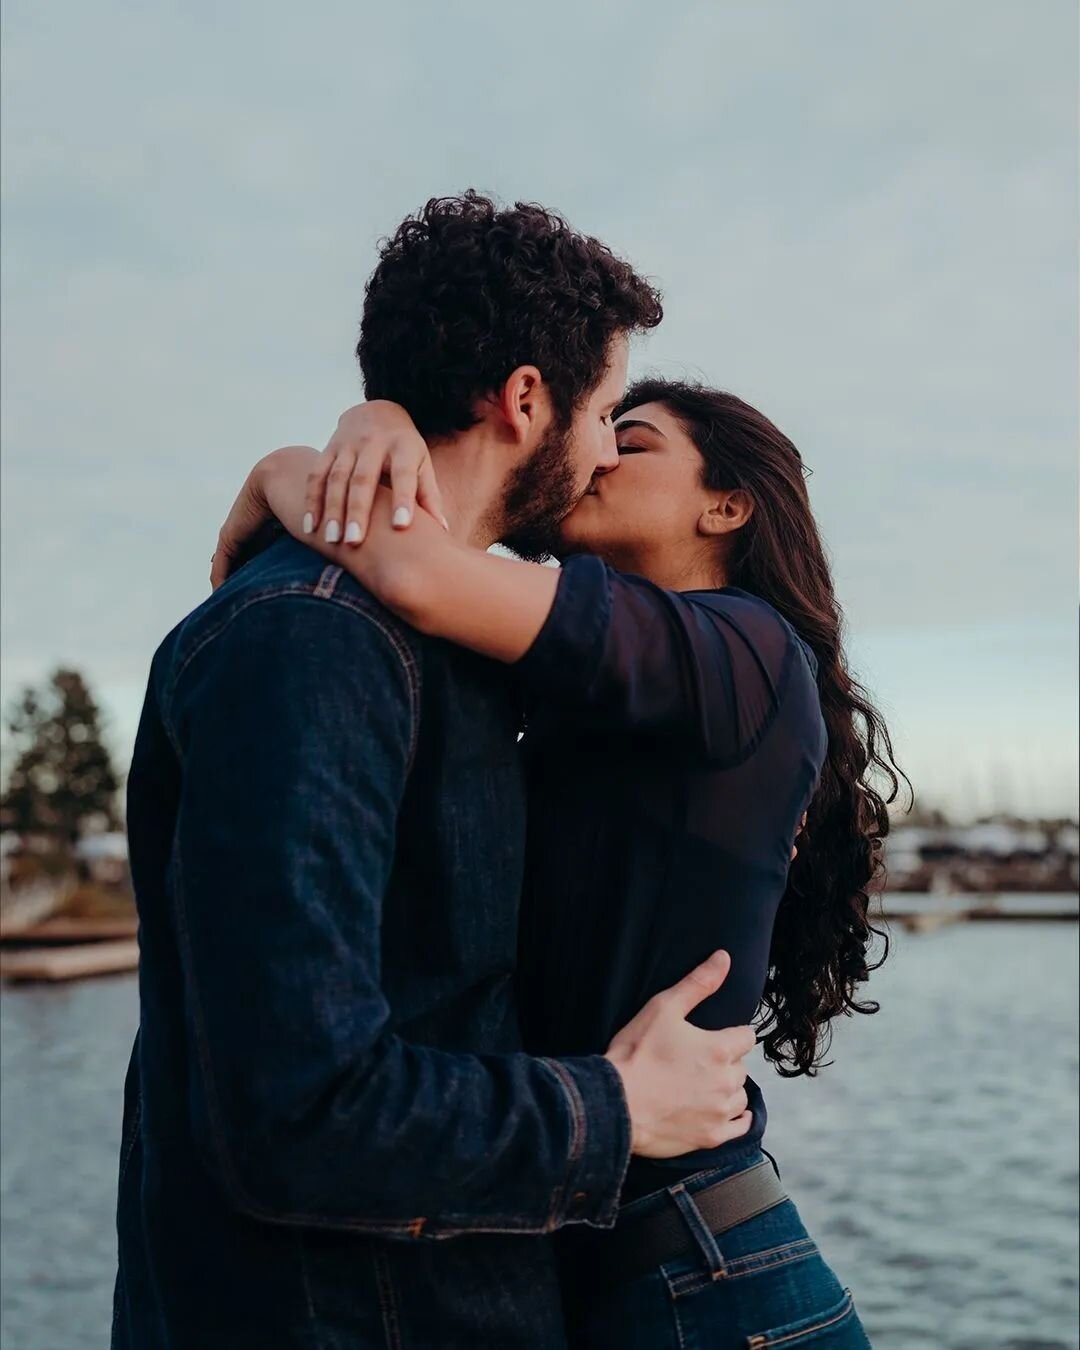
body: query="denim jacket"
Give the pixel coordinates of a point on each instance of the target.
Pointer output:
(326, 819)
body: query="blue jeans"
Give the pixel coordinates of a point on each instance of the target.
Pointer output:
(759, 1285)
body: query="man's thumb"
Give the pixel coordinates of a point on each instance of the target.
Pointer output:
(702, 981)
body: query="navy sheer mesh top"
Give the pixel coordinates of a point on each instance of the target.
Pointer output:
(673, 741)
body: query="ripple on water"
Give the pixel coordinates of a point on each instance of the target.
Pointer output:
(935, 1161)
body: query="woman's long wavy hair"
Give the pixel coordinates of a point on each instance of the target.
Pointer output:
(822, 939)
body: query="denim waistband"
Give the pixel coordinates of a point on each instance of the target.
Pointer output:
(697, 1181)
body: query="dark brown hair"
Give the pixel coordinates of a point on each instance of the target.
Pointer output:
(465, 292)
(822, 937)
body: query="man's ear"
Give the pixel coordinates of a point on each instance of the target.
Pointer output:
(728, 511)
(524, 403)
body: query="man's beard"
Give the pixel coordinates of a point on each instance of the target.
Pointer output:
(541, 493)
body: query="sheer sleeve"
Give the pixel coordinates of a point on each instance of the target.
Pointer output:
(706, 668)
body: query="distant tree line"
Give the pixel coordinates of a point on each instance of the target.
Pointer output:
(61, 783)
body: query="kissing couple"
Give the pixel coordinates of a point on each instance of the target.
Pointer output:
(461, 878)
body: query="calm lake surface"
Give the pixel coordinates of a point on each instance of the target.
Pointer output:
(935, 1162)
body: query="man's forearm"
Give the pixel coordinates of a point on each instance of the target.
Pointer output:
(412, 1142)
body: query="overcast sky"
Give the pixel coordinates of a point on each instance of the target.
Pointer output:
(862, 217)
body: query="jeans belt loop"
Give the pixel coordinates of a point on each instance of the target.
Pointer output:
(699, 1231)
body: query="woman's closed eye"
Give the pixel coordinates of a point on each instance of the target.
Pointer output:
(629, 448)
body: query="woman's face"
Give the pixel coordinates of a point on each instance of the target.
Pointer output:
(652, 502)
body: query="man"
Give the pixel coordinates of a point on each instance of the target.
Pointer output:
(326, 820)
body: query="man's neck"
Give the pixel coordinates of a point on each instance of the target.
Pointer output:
(472, 469)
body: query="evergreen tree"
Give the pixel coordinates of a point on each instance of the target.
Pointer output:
(62, 778)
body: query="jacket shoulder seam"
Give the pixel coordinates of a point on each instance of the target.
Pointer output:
(325, 592)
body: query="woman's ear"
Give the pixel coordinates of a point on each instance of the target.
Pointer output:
(523, 402)
(727, 511)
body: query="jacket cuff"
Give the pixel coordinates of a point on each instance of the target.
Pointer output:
(599, 1151)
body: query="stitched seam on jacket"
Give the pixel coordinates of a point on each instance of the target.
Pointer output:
(384, 1286)
(230, 1176)
(305, 1284)
(303, 592)
(130, 1149)
(576, 1104)
(331, 575)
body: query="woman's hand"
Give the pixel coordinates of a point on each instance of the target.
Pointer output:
(371, 439)
(278, 479)
(338, 487)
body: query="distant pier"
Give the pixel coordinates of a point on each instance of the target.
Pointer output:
(926, 912)
(64, 946)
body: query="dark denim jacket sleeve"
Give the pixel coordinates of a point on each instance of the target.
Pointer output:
(704, 670)
(294, 726)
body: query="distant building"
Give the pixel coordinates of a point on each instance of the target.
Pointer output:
(990, 855)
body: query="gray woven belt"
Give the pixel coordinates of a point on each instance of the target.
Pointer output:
(637, 1245)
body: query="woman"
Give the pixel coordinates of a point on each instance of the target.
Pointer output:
(688, 706)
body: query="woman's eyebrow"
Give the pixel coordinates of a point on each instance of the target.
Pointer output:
(629, 422)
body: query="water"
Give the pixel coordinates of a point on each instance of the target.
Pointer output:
(936, 1161)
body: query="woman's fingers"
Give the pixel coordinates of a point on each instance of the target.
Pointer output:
(220, 565)
(338, 492)
(404, 482)
(341, 488)
(428, 495)
(412, 483)
(363, 481)
(315, 491)
(248, 513)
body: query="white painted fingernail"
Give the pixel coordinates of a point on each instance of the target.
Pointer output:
(353, 533)
(333, 532)
(309, 523)
(445, 524)
(402, 516)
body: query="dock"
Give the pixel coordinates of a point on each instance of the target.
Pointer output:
(52, 947)
(926, 913)
(54, 963)
(927, 921)
(62, 929)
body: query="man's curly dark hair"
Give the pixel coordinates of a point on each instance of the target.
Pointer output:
(466, 291)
